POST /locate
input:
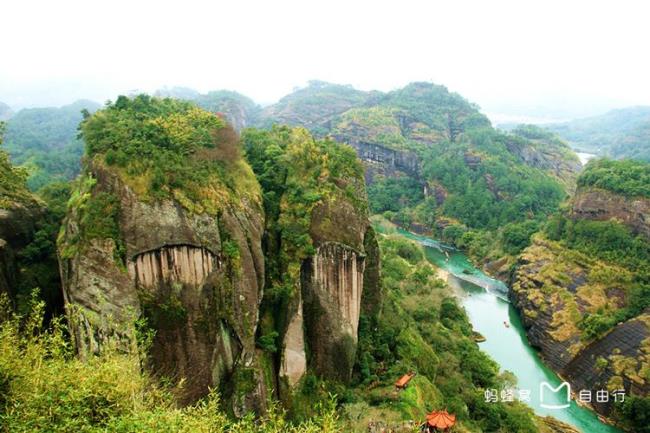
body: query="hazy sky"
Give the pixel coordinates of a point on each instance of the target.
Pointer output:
(537, 58)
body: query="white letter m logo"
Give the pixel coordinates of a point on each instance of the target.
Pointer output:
(564, 398)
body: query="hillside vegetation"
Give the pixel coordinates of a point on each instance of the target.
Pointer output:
(629, 178)
(622, 133)
(44, 140)
(168, 148)
(458, 174)
(421, 328)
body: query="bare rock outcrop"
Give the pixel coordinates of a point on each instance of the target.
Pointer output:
(332, 284)
(601, 205)
(196, 278)
(555, 289)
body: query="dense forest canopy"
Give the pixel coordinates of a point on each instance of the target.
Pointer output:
(12, 179)
(168, 148)
(45, 141)
(628, 177)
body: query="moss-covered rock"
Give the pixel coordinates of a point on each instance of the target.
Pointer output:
(147, 237)
(318, 242)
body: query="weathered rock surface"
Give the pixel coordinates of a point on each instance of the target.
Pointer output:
(601, 205)
(554, 288)
(17, 225)
(197, 278)
(332, 282)
(618, 361)
(337, 283)
(380, 160)
(323, 322)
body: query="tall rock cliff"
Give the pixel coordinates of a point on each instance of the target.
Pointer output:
(166, 223)
(602, 205)
(322, 254)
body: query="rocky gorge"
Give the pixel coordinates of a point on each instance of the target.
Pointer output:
(580, 309)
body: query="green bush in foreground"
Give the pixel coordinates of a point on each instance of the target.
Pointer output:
(44, 387)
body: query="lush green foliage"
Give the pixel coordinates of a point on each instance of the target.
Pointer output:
(422, 328)
(297, 173)
(614, 243)
(98, 215)
(38, 263)
(240, 110)
(627, 177)
(394, 194)
(478, 179)
(44, 140)
(12, 179)
(168, 148)
(44, 387)
(635, 414)
(493, 189)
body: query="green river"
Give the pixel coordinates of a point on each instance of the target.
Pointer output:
(485, 300)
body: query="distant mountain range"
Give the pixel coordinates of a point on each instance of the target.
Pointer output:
(45, 140)
(622, 133)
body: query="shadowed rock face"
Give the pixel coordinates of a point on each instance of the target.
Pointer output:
(332, 282)
(325, 318)
(17, 223)
(201, 302)
(380, 160)
(600, 205)
(337, 284)
(615, 361)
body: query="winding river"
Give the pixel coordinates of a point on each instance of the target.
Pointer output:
(485, 300)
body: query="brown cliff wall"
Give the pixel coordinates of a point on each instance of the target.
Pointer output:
(601, 205)
(196, 278)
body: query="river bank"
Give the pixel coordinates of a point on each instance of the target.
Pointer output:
(486, 302)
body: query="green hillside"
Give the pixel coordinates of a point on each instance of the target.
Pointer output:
(44, 140)
(623, 133)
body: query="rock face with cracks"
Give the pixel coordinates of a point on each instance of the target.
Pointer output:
(201, 301)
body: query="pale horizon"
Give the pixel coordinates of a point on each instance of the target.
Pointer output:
(536, 61)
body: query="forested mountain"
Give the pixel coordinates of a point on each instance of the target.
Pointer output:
(45, 141)
(315, 105)
(240, 110)
(251, 269)
(435, 163)
(623, 133)
(220, 272)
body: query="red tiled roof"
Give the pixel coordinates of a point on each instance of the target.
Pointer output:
(441, 419)
(404, 380)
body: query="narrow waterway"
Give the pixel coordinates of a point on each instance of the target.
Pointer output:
(485, 300)
(585, 157)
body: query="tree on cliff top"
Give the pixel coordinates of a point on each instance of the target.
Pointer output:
(166, 148)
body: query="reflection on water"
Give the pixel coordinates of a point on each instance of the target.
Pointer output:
(485, 300)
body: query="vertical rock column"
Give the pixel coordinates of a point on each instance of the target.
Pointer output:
(332, 285)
